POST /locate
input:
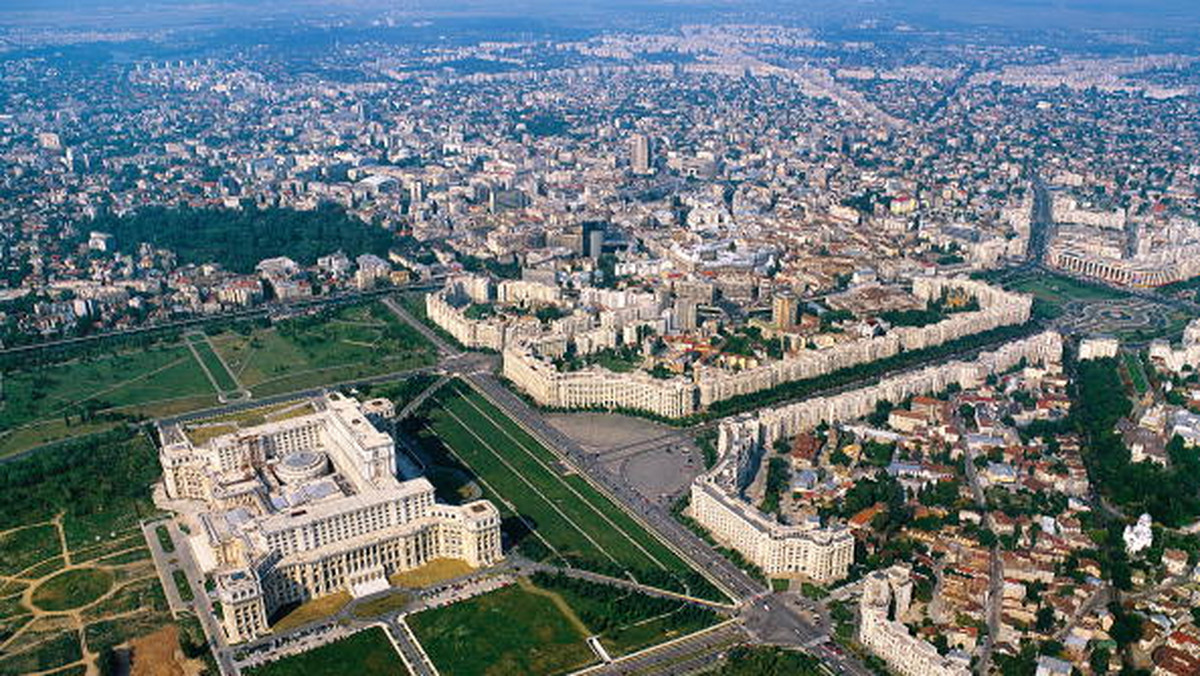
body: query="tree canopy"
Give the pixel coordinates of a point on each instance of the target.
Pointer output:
(238, 239)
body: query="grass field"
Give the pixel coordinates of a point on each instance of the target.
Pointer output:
(86, 395)
(25, 547)
(507, 632)
(625, 621)
(72, 589)
(81, 396)
(575, 522)
(437, 570)
(182, 586)
(1059, 289)
(350, 343)
(317, 609)
(383, 605)
(221, 378)
(366, 653)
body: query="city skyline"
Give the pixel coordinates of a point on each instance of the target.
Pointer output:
(663, 337)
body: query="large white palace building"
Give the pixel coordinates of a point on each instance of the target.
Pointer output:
(309, 506)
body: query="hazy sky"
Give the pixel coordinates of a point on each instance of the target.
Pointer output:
(1087, 14)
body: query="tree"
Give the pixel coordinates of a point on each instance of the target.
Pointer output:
(1045, 619)
(1127, 627)
(1099, 661)
(987, 538)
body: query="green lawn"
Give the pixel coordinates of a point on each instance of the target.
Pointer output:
(182, 586)
(505, 633)
(159, 372)
(624, 620)
(98, 391)
(613, 361)
(383, 605)
(1057, 289)
(366, 653)
(581, 524)
(759, 660)
(72, 589)
(224, 381)
(336, 346)
(100, 486)
(76, 396)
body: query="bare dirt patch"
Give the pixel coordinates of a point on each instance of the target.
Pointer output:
(157, 654)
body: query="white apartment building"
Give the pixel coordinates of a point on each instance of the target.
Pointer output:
(806, 550)
(997, 308)
(1098, 347)
(1187, 354)
(603, 315)
(597, 387)
(473, 333)
(786, 421)
(309, 506)
(886, 598)
(820, 554)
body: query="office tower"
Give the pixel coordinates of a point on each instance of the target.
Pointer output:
(640, 159)
(783, 310)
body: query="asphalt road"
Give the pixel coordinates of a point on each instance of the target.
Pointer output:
(181, 559)
(995, 570)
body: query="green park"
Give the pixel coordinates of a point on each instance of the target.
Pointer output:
(540, 626)
(555, 515)
(366, 653)
(109, 383)
(76, 577)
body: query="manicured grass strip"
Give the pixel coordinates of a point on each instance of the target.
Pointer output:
(514, 486)
(164, 538)
(291, 617)
(366, 653)
(381, 606)
(509, 631)
(1060, 289)
(433, 572)
(1137, 376)
(623, 526)
(182, 584)
(224, 381)
(567, 511)
(579, 507)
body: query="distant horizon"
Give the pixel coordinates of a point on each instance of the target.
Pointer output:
(1034, 15)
